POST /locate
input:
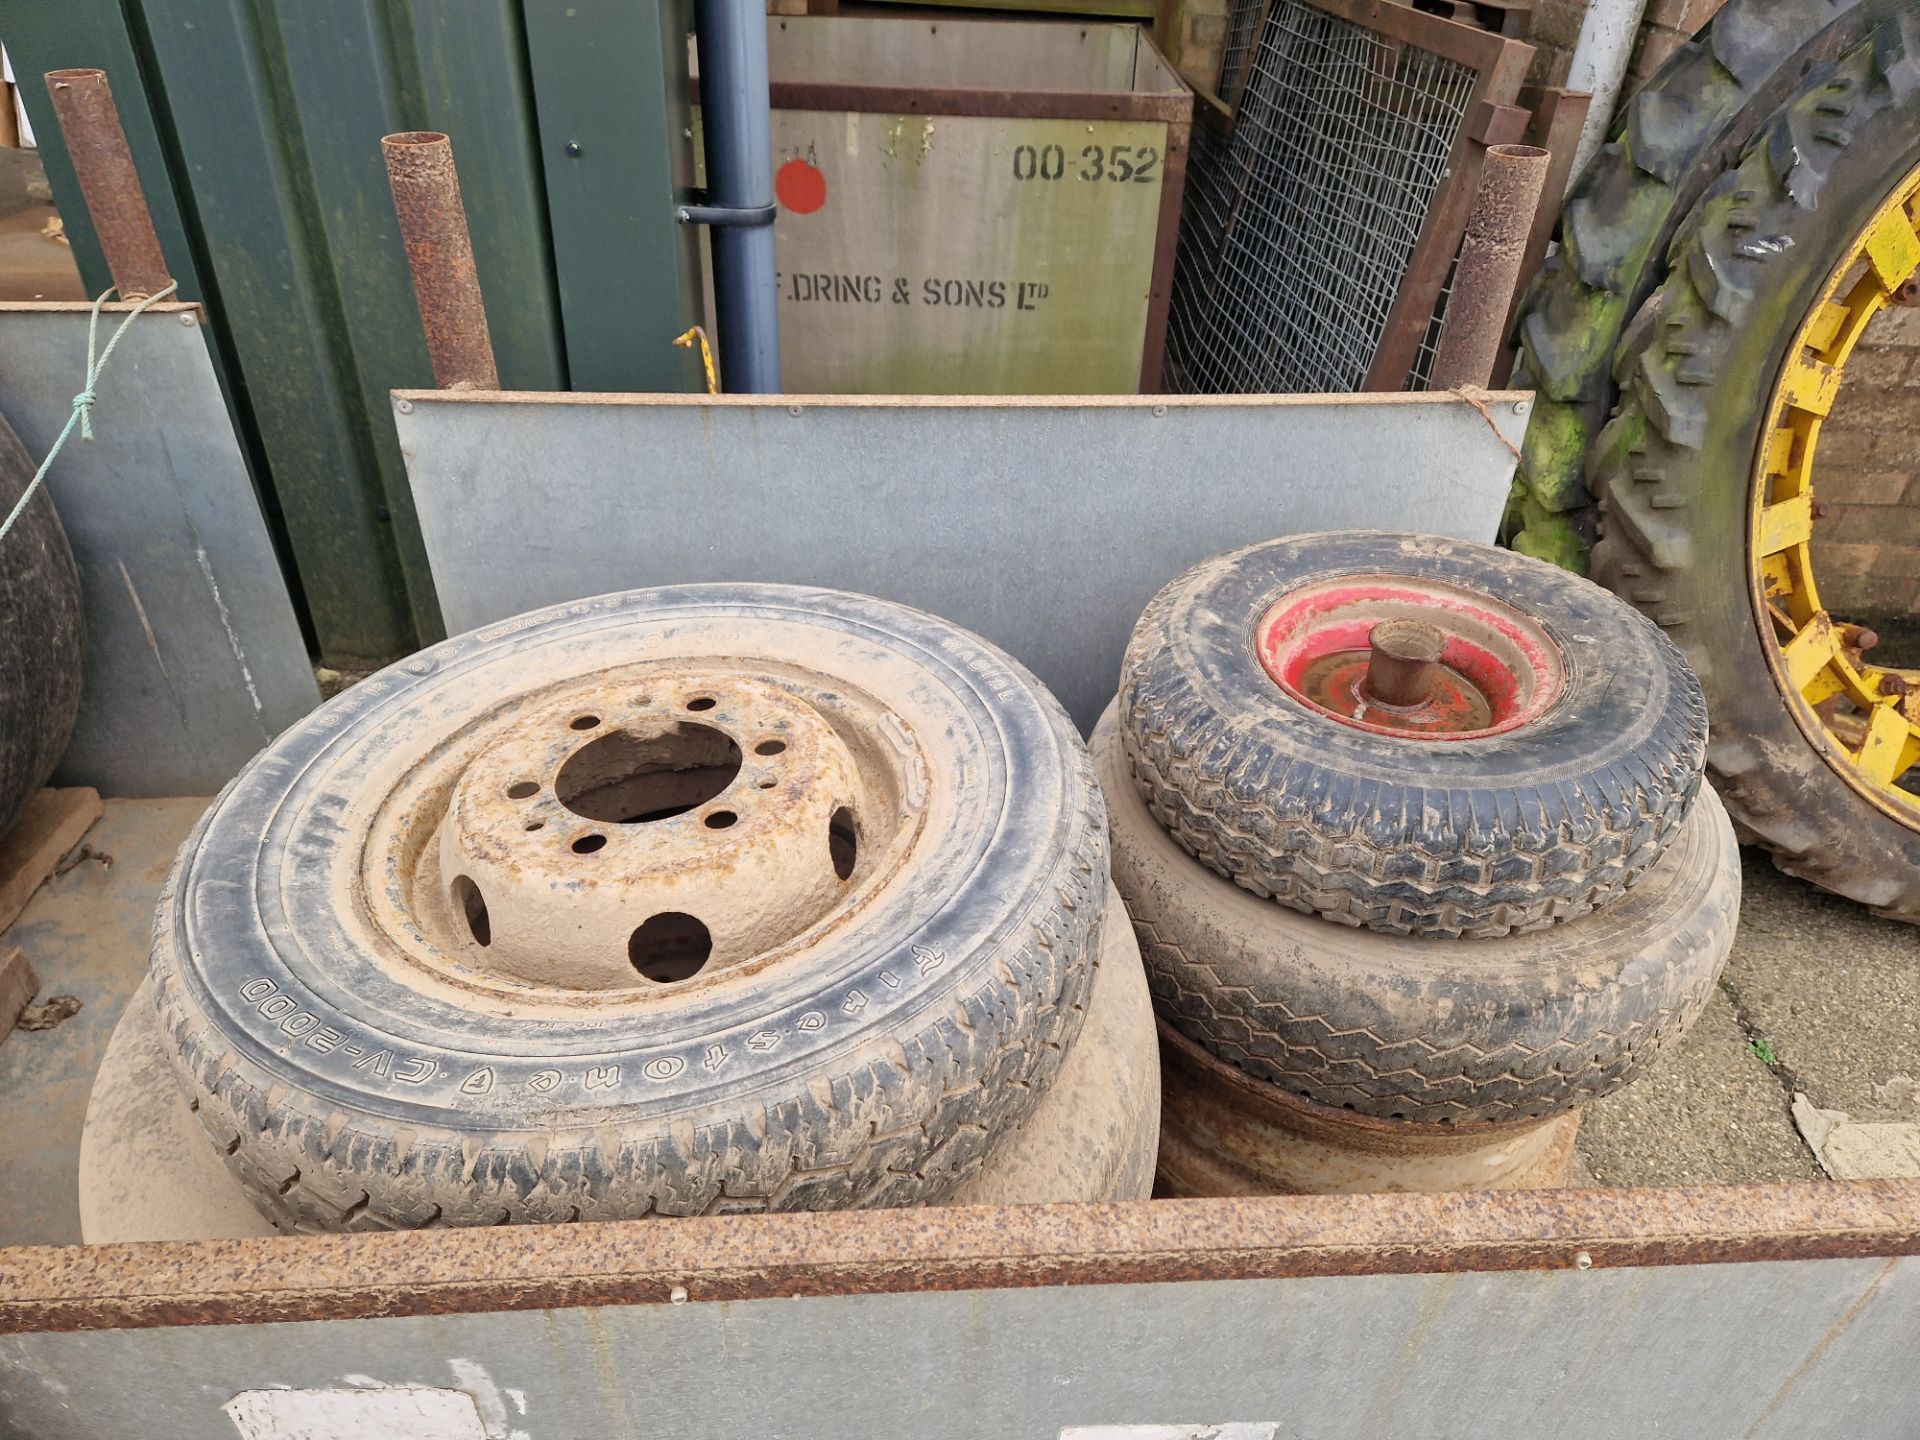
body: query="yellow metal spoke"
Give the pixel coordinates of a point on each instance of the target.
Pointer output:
(1786, 524)
(1893, 250)
(1809, 652)
(1810, 384)
(1887, 736)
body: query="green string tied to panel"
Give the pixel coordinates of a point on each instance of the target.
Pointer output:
(83, 403)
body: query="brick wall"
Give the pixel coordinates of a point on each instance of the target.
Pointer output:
(1866, 548)
(1667, 26)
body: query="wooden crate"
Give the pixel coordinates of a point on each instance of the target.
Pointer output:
(973, 207)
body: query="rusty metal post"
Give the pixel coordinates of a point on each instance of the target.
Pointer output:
(103, 164)
(433, 226)
(1489, 271)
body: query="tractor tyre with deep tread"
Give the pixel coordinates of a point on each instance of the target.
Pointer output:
(1667, 143)
(1675, 467)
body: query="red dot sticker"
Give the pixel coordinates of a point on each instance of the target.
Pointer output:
(801, 188)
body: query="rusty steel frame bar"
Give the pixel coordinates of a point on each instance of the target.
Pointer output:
(102, 163)
(1512, 178)
(433, 227)
(649, 1262)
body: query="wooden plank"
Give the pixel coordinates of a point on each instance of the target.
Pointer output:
(18, 986)
(49, 826)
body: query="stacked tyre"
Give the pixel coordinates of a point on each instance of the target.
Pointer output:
(683, 901)
(1414, 840)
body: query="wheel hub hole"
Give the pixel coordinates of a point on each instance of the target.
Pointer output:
(473, 905)
(624, 778)
(671, 946)
(843, 842)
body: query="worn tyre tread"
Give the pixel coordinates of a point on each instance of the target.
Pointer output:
(1419, 855)
(1451, 1032)
(906, 1118)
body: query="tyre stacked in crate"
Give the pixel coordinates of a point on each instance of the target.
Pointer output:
(686, 901)
(1414, 840)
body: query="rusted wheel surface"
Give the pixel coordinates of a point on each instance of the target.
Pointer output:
(675, 901)
(1408, 1028)
(1416, 735)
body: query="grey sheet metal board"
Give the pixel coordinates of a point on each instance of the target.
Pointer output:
(194, 658)
(1044, 524)
(1768, 1351)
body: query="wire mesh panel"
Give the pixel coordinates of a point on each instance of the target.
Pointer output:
(1243, 29)
(1304, 217)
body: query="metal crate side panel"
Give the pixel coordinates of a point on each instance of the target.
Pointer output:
(1044, 525)
(1766, 1350)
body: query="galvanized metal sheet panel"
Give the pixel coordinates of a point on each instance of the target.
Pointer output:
(194, 658)
(1046, 525)
(1766, 1351)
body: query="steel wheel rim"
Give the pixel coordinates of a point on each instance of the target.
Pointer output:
(1311, 639)
(409, 873)
(1863, 719)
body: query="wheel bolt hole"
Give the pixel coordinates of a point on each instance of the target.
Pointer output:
(670, 946)
(627, 778)
(583, 722)
(533, 825)
(587, 844)
(473, 905)
(702, 702)
(843, 842)
(768, 783)
(721, 819)
(523, 790)
(769, 747)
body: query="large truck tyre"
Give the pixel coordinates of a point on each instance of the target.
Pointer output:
(1668, 143)
(1410, 1028)
(678, 901)
(1551, 755)
(147, 1173)
(1709, 470)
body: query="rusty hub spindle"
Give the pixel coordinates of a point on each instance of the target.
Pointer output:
(1404, 663)
(102, 163)
(433, 226)
(1511, 182)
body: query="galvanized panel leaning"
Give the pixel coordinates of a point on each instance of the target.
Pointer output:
(673, 901)
(1417, 735)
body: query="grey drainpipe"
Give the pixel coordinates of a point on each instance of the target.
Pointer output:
(737, 117)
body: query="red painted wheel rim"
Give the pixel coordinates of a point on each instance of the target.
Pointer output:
(1499, 670)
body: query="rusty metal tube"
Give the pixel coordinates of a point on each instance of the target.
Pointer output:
(97, 146)
(433, 227)
(1511, 181)
(1404, 660)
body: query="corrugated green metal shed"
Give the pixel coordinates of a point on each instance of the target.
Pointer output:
(256, 126)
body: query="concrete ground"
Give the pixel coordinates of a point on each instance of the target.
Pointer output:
(1819, 997)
